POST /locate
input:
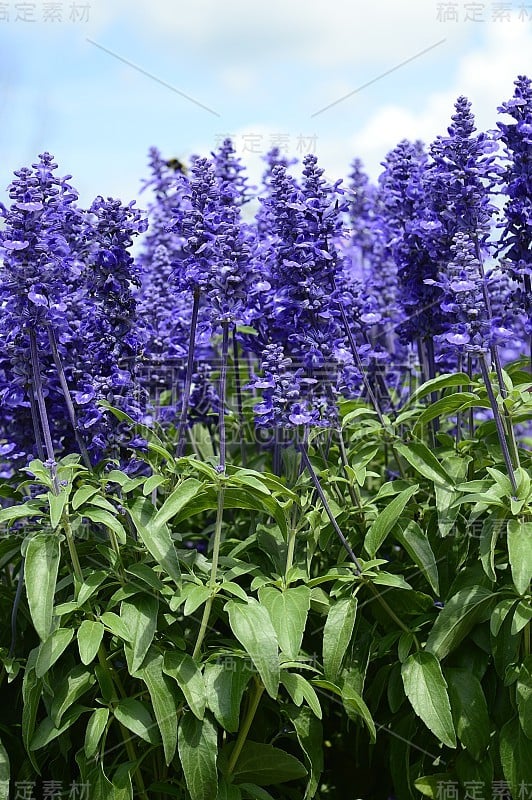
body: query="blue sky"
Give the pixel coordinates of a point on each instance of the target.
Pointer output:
(261, 71)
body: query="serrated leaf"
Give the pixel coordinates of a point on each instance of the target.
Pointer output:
(288, 611)
(225, 684)
(520, 552)
(251, 624)
(198, 750)
(90, 634)
(469, 710)
(184, 670)
(94, 731)
(386, 519)
(134, 716)
(52, 649)
(457, 618)
(40, 572)
(139, 614)
(426, 690)
(337, 634)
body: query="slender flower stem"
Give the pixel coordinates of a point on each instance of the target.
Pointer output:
(181, 439)
(317, 485)
(36, 426)
(41, 405)
(68, 397)
(498, 423)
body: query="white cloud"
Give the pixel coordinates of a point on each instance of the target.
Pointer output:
(484, 75)
(317, 32)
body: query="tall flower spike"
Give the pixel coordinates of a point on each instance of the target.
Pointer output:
(516, 238)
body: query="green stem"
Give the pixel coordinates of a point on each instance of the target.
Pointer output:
(258, 689)
(214, 569)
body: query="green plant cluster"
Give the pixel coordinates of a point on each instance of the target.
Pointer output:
(356, 627)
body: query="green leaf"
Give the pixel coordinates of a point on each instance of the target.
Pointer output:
(90, 584)
(116, 625)
(5, 773)
(310, 737)
(516, 756)
(265, 765)
(387, 518)
(57, 504)
(457, 618)
(30, 509)
(139, 614)
(251, 624)
(173, 504)
(163, 700)
(488, 541)
(31, 695)
(300, 689)
(195, 598)
(183, 669)
(356, 708)
(73, 686)
(90, 634)
(337, 634)
(255, 792)
(469, 710)
(522, 616)
(225, 684)
(227, 791)
(51, 649)
(446, 405)
(425, 462)
(431, 785)
(40, 572)
(47, 732)
(288, 612)
(104, 517)
(82, 494)
(426, 689)
(198, 749)
(441, 382)
(520, 552)
(156, 538)
(524, 696)
(134, 716)
(417, 545)
(94, 731)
